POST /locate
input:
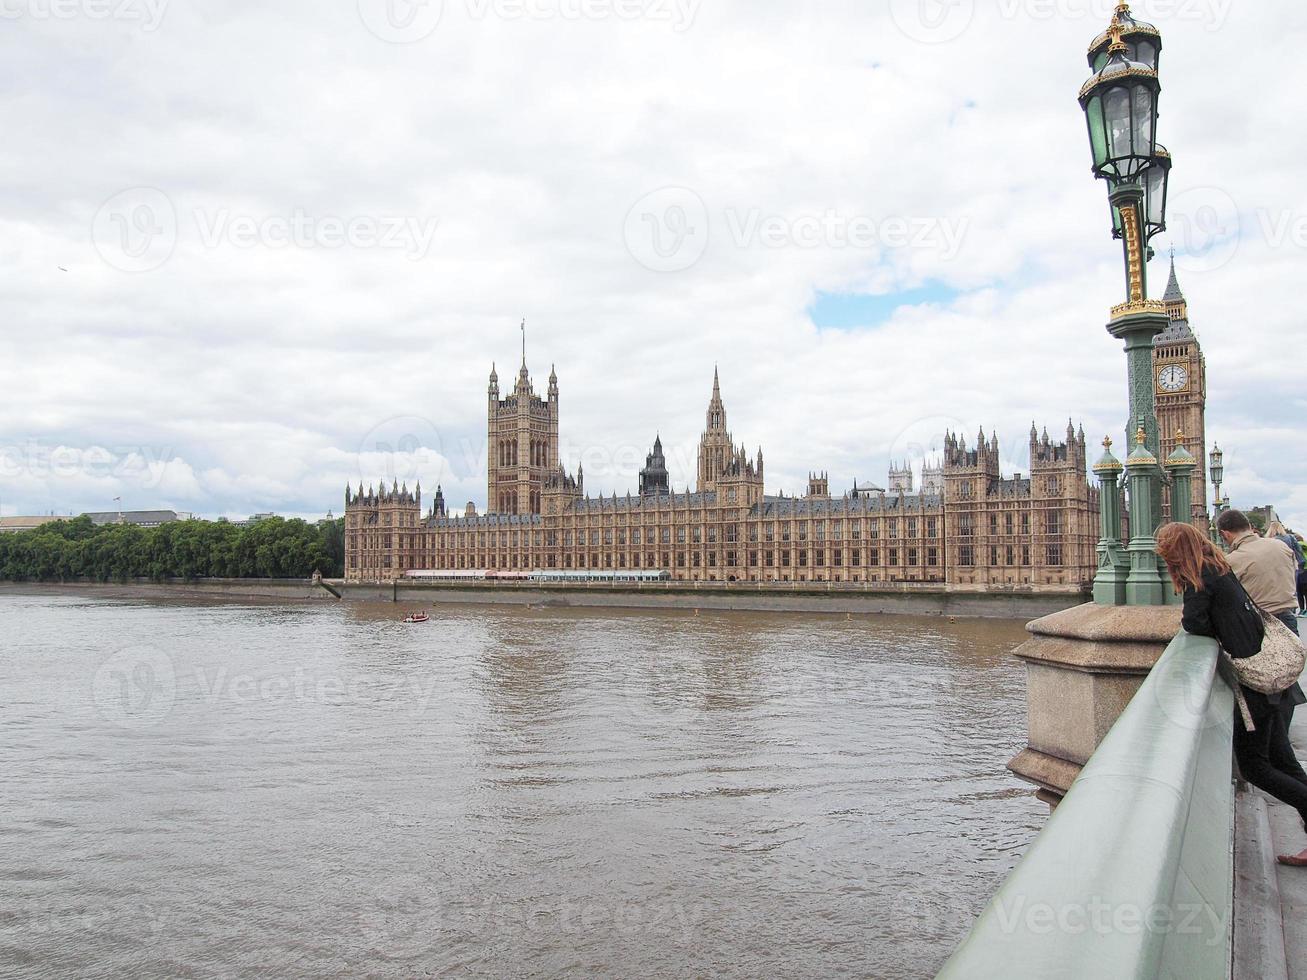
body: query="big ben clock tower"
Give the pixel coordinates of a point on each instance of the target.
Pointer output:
(1180, 393)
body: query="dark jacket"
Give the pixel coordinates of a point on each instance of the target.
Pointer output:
(1223, 610)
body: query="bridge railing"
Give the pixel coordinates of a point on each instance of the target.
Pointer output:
(1132, 876)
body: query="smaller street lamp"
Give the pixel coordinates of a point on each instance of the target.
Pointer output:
(1216, 466)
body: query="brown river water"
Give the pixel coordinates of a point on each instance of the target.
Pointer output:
(210, 789)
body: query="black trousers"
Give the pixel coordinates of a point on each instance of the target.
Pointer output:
(1302, 590)
(1266, 757)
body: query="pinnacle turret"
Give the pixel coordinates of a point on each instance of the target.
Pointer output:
(1173, 294)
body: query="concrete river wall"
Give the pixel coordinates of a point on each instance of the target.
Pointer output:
(786, 597)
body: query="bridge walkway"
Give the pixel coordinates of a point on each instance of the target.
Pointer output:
(1287, 832)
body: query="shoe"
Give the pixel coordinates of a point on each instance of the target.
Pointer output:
(1298, 860)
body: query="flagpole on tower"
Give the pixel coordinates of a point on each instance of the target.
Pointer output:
(524, 342)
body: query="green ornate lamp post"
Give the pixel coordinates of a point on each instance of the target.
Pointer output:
(1120, 106)
(1113, 564)
(1143, 585)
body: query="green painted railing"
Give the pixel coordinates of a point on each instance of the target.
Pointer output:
(1132, 877)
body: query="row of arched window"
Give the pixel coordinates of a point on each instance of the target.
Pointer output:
(508, 501)
(538, 450)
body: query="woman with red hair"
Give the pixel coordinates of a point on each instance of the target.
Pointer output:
(1216, 605)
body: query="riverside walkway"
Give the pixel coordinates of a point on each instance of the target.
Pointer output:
(1287, 833)
(1157, 863)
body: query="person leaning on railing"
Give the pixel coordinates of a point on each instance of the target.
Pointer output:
(1217, 605)
(1302, 577)
(1267, 568)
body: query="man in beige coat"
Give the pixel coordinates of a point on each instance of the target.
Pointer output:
(1266, 567)
(1268, 571)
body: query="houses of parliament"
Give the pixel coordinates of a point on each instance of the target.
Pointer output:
(967, 526)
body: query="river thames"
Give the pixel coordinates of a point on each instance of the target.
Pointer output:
(217, 789)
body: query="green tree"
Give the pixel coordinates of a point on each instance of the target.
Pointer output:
(274, 548)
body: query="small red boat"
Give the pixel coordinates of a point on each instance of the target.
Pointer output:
(418, 617)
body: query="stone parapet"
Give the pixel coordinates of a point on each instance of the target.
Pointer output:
(1083, 666)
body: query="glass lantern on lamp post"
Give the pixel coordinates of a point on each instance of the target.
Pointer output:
(1120, 104)
(1216, 466)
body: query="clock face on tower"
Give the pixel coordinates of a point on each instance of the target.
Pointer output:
(1173, 378)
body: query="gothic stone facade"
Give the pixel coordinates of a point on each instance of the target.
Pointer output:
(967, 527)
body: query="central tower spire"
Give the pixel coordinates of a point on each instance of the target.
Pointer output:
(716, 410)
(716, 448)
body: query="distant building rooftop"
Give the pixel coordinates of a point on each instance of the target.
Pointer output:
(141, 518)
(10, 525)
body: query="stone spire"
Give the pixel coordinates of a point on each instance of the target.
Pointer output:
(716, 410)
(1176, 308)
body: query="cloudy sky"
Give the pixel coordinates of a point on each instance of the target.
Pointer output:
(255, 251)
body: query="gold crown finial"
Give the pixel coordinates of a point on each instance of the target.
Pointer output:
(1179, 438)
(1107, 443)
(1118, 46)
(1141, 436)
